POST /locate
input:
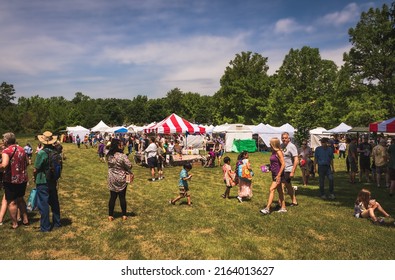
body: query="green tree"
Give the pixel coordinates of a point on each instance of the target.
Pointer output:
(303, 91)
(372, 58)
(244, 90)
(7, 92)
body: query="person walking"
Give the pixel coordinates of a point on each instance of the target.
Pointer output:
(183, 185)
(277, 166)
(119, 170)
(47, 193)
(151, 153)
(323, 158)
(291, 162)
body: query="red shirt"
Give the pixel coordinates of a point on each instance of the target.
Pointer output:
(17, 174)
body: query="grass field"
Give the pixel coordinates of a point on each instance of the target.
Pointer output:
(213, 229)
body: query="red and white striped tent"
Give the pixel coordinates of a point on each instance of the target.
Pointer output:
(174, 124)
(384, 126)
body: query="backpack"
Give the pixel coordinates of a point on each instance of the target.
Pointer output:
(54, 170)
(244, 172)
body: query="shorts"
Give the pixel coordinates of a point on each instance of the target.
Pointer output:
(381, 169)
(152, 162)
(14, 191)
(364, 164)
(286, 178)
(101, 155)
(275, 175)
(220, 153)
(392, 173)
(184, 192)
(353, 165)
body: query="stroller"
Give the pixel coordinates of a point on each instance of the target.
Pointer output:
(210, 159)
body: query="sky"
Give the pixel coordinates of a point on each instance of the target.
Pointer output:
(125, 48)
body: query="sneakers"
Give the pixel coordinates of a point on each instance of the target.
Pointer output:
(265, 211)
(240, 199)
(172, 202)
(323, 196)
(332, 196)
(282, 210)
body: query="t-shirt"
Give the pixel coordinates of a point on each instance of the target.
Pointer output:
(379, 155)
(152, 150)
(16, 171)
(323, 156)
(290, 151)
(181, 182)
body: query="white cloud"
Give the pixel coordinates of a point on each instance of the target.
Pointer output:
(336, 55)
(350, 13)
(289, 26)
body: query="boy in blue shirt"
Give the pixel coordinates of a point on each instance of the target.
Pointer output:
(183, 185)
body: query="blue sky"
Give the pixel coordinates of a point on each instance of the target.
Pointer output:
(123, 48)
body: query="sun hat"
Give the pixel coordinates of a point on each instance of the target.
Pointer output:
(47, 138)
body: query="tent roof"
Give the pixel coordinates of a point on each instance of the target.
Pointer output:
(121, 130)
(174, 124)
(341, 128)
(384, 126)
(317, 130)
(238, 127)
(101, 126)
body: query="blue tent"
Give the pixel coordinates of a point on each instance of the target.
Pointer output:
(121, 130)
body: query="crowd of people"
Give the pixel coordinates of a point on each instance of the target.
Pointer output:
(366, 158)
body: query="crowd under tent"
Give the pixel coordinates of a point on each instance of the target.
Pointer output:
(77, 130)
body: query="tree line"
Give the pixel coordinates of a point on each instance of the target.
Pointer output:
(306, 91)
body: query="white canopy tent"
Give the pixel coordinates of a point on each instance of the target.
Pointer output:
(77, 130)
(100, 127)
(235, 132)
(341, 128)
(266, 131)
(315, 135)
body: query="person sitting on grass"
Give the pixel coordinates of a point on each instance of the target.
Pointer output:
(183, 185)
(365, 207)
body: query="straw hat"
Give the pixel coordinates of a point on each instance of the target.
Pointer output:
(47, 138)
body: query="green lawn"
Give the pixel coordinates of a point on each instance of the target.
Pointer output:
(214, 228)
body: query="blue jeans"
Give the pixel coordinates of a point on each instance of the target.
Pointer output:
(47, 196)
(325, 171)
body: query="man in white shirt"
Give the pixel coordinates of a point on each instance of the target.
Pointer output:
(151, 156)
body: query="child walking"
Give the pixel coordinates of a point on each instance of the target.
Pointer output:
(365, 207)
(183, 185)
(229, 177)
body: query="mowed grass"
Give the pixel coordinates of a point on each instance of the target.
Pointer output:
(213, 229)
